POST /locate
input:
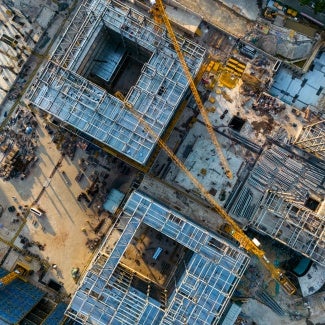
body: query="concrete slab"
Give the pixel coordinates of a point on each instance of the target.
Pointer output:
(246, 8)
(313, 280)
(45, 16)
(194, 207)
(219, 15)
(204, 163)
(310, 92)
(186, 20)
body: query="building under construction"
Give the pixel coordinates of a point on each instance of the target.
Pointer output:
(111, 49)
(283, 197)
(157, 267)
(312, 139)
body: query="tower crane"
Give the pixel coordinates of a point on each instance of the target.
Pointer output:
(231, 226)
(160, 16)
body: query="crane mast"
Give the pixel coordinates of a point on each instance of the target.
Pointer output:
(160, 16)
(231, 227)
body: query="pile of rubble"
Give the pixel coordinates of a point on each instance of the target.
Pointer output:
(27, 243)
(18, 145)
(92, 244)
(64, 140)
(268, 104)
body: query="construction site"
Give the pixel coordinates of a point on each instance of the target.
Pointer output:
(160, 165)
(142, 67)
(161, 268)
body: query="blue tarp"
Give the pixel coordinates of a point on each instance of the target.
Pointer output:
(17, 299)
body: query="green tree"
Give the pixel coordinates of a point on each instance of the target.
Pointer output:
(319, 6)
(305, 2)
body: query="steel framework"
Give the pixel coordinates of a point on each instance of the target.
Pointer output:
(292, 224)
(107, 294)
(280, 183)
(312, 139)
(61, 91)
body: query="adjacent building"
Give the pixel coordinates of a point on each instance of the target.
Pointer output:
(284, 198)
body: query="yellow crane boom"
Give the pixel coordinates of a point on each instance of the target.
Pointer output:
(160, 16)
(232, 228)
(9, 278)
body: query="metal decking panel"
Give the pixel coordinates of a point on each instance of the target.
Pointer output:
(17, 299)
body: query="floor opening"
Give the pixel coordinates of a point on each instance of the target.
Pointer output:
(311, 204)
(236, 123)
(114, 63)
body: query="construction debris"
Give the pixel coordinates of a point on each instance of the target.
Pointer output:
(18, 144)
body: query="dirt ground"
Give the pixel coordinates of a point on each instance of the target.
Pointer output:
(59, 237)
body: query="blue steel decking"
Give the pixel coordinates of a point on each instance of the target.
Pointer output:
(17, 299)
(57, 315)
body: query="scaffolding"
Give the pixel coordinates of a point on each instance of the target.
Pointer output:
(202, 285)
(282, 170)
(292, 224)
(281, 176)
(61, 91)
(312, 139)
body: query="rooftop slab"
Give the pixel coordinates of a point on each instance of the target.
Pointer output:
(313, 280)
(186, 20)
(307, 90)
(219, 15)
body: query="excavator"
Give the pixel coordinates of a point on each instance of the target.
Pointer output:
(231, 227)
(20, 271)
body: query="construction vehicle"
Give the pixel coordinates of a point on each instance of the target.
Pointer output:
(279, 5)
(160, 17)
(231, 227)
(270, 14)
(291, 12)
(20, 271)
